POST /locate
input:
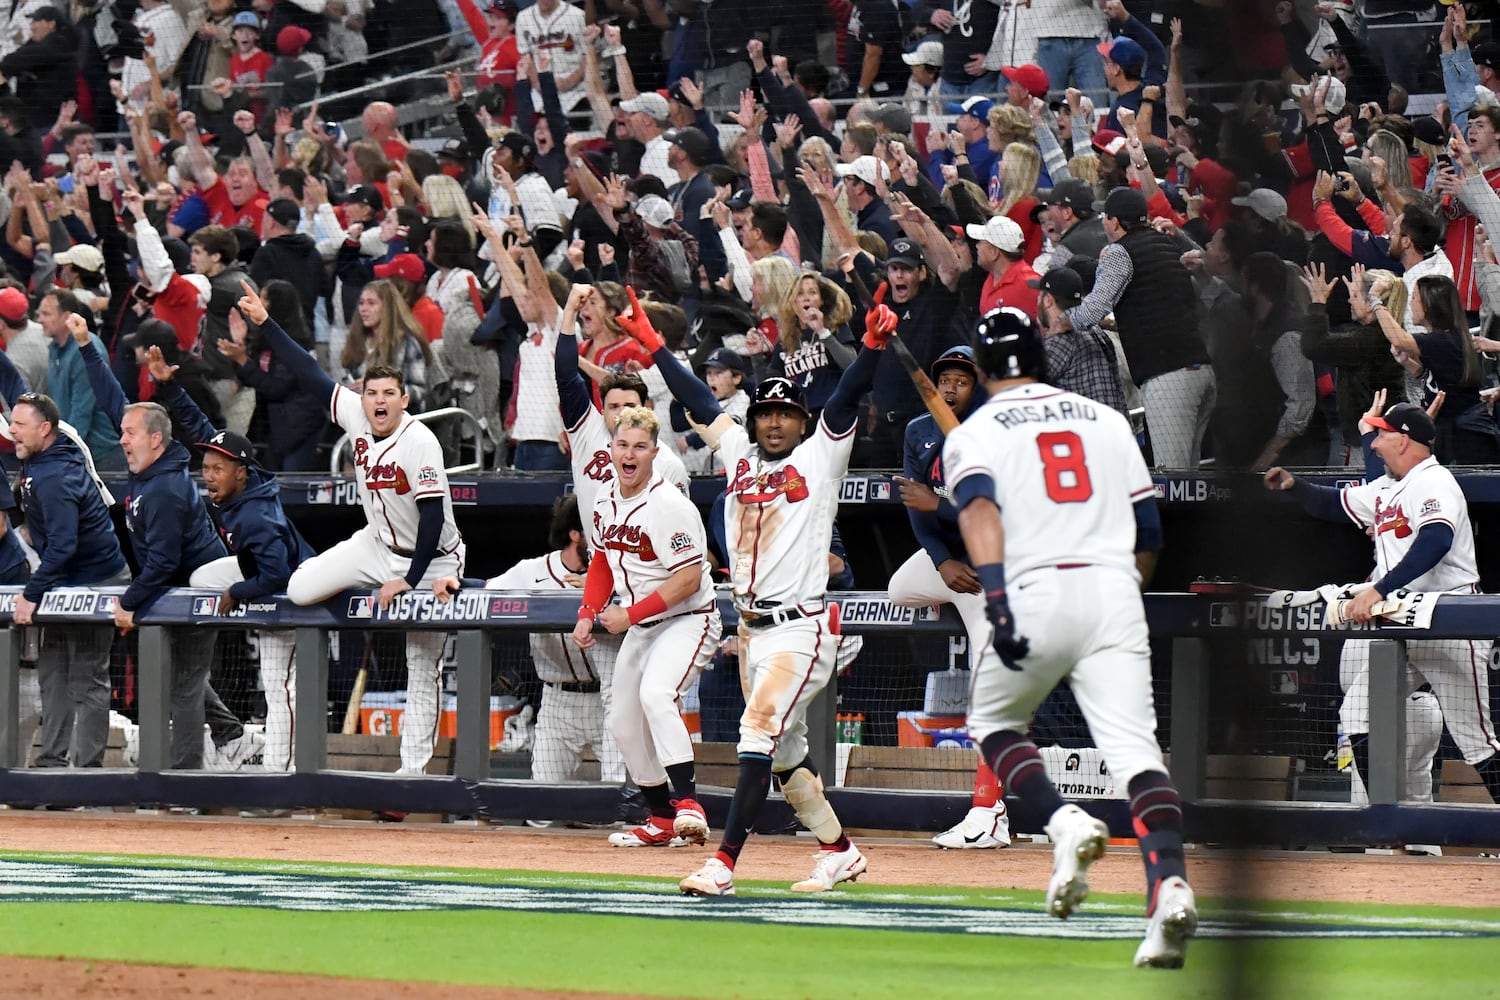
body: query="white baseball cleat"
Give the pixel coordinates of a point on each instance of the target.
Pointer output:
(832, 868)
(648, 834)
(1078, 840)
(983, 828)
(715, 878)
(1172, 923)
(690, 824)
(247, 748)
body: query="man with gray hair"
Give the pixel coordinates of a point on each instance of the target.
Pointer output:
(648, 115)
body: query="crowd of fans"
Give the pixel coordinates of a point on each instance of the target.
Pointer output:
(1240, 276)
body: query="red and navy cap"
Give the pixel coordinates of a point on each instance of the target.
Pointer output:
(1408, 419)
(231, 445)
(961, 357)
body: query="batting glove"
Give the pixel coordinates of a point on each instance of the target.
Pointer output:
(880, 322)
(1010, 647)
(638, 324)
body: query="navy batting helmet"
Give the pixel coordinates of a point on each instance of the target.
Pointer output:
(777, 391)
(1008, 345)
(960, 358)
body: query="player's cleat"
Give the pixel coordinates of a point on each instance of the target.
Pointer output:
(832, 868)
(648, 834)
(265, 813)
(247, 748)
(715, 878)
(984, 827)
(691, 825)
(1172, 923)
(1078, 840)
(389, 816)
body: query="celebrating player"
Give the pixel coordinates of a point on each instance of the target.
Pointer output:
(1055, 501)
(649, 551)
(782, 497)
(1423, 542)
(574, 683)
(941, 574)
(409, 538)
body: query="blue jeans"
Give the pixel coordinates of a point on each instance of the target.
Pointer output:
(540, 456)
(986, 84)
(1075, 59)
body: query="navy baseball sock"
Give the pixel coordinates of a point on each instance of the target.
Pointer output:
(1018, 765)
(1156, 813)
(1489, 773)
(681, 778)
(659, 800)
(749, 795)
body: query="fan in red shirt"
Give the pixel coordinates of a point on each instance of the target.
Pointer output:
(498, 58)
(410, 277)
(605, 343)
(380, 123)
(234, 199)
(1001, 252)
(250, 63)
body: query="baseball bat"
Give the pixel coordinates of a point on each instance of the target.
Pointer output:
(947, 421)
(357, 696)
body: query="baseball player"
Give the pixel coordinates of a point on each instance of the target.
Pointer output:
(409, 539)
(574, 682)
(940, 573)
(779, 510)
(590, 431)
(1056, 505)
(1423, 542)
(649, 551)
(245, 504)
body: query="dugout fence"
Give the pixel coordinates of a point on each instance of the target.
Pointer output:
(1246, 691)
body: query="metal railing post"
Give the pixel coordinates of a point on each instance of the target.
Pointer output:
(10, 698)
(822, 730)
(310, 740)
(1189, 726)
(153, 683)
(1386, 781)
(471, 750)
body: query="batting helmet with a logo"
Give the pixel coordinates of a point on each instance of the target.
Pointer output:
(1008, 345)
(777, 391)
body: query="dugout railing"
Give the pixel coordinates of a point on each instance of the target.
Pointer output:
(1197, 629)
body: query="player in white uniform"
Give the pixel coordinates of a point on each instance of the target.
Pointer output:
(779, 509)
(649, 551)
(410, 537)
(1424, 543)
(590, 432)
(1055, 500)
(575, 683)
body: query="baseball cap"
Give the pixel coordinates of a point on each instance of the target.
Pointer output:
(1333, 98)
(47, 13)
(292, 40)
(999, 231)
(904, 251)
(926, 54)
(1107, 140)
(1429, 130)
(866, 168)
(152, 333)
(1062, 283)
(454, 149)
(976, 107)
(1074, 193)
(650, 102)
(1486, 54)
(1126, 204)
(1030, 76)
(503, 7)
(245, 19)
(518, 144)
(724, 358)
(13, 304)
(231, 445)
(692, 141)
(654, 210)
(82, 256)
(740, 200)
(1125, 53)
(284, 211)
(1263, 202)
(960, 357)
(1408, 419)
(365, 194)
(895, 118)
(403, 265)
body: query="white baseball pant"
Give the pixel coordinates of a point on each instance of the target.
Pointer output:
(363, 561)
(569, 721)
(656, 664)
(918, 584)
(782, 669)
(278, 667)
(1086, 625)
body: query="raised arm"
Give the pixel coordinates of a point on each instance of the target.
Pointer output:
(841, 412)
(177, 401)
(688, 389)
(199, 160)
(572, 391)
(108, 395)
(303, 366)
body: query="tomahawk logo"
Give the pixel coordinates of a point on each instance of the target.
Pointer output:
(205, 605)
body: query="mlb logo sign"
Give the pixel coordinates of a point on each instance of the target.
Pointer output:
(880, 490)
(931, 613)
(1223, 616)
(359, 607)
(107, 603)
(205, 605)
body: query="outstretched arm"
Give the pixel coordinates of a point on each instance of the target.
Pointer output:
(689, 390)
(175, 398)
(107, 392)
(572, 391)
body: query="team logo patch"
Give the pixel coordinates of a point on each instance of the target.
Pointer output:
(681, 542)
(1433, 506)
(427, 476)
(359, 607)
(205, 605)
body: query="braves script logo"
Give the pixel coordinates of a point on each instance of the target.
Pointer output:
(626, 538)
(384, 476)
(600, 469)
(767, 486)
(1391, 519)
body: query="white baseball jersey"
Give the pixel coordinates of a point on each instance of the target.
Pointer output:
(593, 471)
(1399, 508)
(647, 538)
(1067, 473)
(395, 472)
(558, 660)
(537, 414)
(779, 516)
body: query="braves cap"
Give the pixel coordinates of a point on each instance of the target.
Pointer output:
(1062, 283)
(777, 391)
(724, 358)
(1074, 192)
(1408, 419)
(366, 194)
(231, 445)
(904, 251)
(285, 212)
(692, 141)
(960, 357)
(518, 144)
(403, 265)
(1125, 53)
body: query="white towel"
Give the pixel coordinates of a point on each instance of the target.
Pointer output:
(1402, 608)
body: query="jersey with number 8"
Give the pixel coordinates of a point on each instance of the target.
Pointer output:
(1067, 473)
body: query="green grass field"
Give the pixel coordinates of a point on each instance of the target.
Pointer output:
(613, 934)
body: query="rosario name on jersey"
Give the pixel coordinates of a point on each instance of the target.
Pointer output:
(592, 469)
(1067, 473)
(779, 516)
(395, 472)
(1399, 508)
(647, 538)
(558, 660)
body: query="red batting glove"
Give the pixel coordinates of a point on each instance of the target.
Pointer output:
(880, 323)
(638, 324)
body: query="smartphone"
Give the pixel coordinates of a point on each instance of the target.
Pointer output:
(65, 183)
